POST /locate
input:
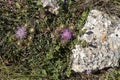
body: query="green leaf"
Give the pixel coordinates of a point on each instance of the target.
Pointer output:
(49, 55)
(55, 76)
(44, 72)
(38, 3)
(17, 5)
(68, 72)
(57, 47)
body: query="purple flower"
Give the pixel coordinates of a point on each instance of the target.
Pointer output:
(10, 2)
(66, 34)
(21, 32)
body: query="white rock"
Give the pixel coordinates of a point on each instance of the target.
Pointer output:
(103, 32)
(52, 5)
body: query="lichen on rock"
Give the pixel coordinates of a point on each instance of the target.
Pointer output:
(103, 34)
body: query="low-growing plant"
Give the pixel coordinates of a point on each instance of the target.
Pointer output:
(30, 47)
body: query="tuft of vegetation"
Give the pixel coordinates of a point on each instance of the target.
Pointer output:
(38, 51)
(112, 74)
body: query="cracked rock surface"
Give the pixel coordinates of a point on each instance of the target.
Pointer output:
(51, 5)
(103, 34)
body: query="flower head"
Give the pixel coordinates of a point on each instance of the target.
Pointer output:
(66, 34)
(10, 2)
(21, 32)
